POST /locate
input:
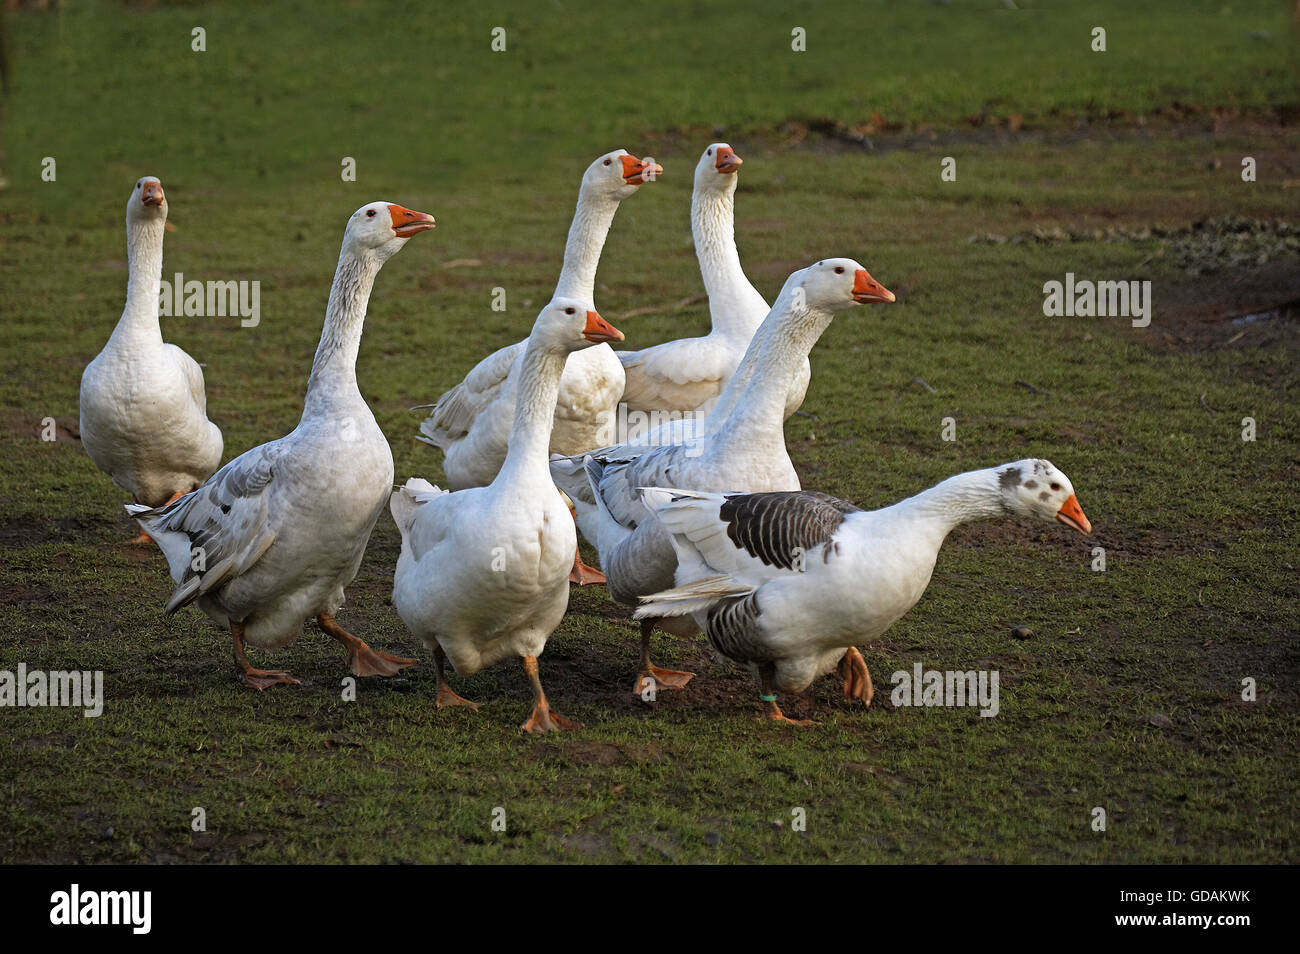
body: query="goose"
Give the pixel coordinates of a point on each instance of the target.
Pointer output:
(272, 538)
(484, 572)
(143, 407)
(784, 582)
(471, 422)
(746, 451)
(687, 375)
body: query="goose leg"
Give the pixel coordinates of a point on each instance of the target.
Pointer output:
(766, 673)
(857, 678)
(447, 697)
(144, 537)
(544, 718)
(581, 573)
(659, 678)
(259, 679)
(363, 660)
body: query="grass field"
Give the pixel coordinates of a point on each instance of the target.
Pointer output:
(1128, 696)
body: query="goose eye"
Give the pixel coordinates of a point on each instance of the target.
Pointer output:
(709, 153)
(568, 311)
(137, 185)
(608, 161)
(370, 214)
(839, 269)
(1056, 486)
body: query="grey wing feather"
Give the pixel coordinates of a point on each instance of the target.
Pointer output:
(218, 531)
(775, 527)
(733, 629)
(657, 468)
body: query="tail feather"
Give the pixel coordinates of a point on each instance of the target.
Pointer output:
(406, 500)
(176, 547)
(697, 597)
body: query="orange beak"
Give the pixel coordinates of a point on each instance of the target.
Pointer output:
(407, 223)
(638, 171)
(598, 329)
(727, 160)
(867, 289)
(1071, 514)
(152, 194)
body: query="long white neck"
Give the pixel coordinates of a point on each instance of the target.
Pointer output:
(735, 306)
(775, 355)
(333, 379)
(974, 495)
(591, 221)
(528, 455)
(144, 255)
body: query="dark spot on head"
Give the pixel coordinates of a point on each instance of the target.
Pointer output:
(1030, 484)
(225, 508)
(1044, 496)
(1009, 478)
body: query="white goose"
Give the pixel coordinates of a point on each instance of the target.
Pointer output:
(483, 573)
(745, 451)
(688, 374)
(143, 408)
(785, 582)
(471, 423)
(274, 536)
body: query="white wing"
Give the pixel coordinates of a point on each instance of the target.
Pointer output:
(455, 412)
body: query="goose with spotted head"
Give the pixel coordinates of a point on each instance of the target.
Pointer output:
(272, 538)
(786, 582)
(746, 451)
(484, 571)
(688, 374)
(143, 404)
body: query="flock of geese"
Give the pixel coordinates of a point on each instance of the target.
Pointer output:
(701, 524)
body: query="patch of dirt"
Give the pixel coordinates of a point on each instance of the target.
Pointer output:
(880, 135)
(1242, 310)
(1201, 248)
(66, 430)
(17, 534)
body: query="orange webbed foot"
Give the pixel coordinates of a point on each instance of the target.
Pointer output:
(661, 679)
(546, 719)
(261, 679)
(583, 574)
(371, 662)
(857, 678)
(775, 714)
(447, 697)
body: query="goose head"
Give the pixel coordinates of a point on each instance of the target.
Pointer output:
(616, 175)
(1035, 488)
(567, 324)
(836, 284)
(380, 229)
(148, 202)
(717, 168)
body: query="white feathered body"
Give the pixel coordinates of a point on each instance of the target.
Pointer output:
(143, 406)
(144, 419)
(292, 516)
(483, 572)
(274, 536)
(844, 592)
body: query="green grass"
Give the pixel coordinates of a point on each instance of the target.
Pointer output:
(1200, 527)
